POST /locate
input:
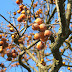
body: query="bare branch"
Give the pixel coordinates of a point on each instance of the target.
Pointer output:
(10, 23)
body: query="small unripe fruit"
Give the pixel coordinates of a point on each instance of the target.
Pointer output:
(63, 63)
(12, 36)
(14, 13)
(14, 55)
(13, 51)
(9, 54)
(11, 29)
(42, 60)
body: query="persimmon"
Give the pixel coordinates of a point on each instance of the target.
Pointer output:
(23, 16)
(1, 43)
(42, 27)
(12, 36)
(36, 65)
(40, 45)
(24, 7)
(13, 51)
(19, 19)
(5, 35)
(17, 63)
(1, 49)
(47, 33)
(14, 55)
(68, 68)
(41, 34)
(51, 1)
(0, 36)
(10, 25)
(29, 37)
(70, 25)
(23, 12)
(28, 11)
(14, 13)
(18, 2)
(36, 36)
(11, 29)
(55, 20)
(38, 20)
(42, 60)
(63, 63)
(18, 11)
(21, 6)
(44, 39)
(35, 26)
(2, 65)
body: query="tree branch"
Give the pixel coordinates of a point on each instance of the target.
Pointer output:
(10, 23)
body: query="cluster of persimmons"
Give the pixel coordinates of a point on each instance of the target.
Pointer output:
(38, 25)
(43, 33)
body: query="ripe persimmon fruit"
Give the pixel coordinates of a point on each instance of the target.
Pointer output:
(42, 27)
(23, 12)
(0, 36)
(21, 6)
(36, 36)
(11, 29)
(35, 26)
(23, 16)
(40, 45)
(68, 68)
(12, 36)
(14, 13)
(47, 33)
(19, 19)
(1, 49)
(18, 2)
(38, 20)
(1, 43)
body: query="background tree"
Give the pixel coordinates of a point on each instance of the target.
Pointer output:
(37, 37)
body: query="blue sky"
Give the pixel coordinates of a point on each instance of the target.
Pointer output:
(5, 7)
